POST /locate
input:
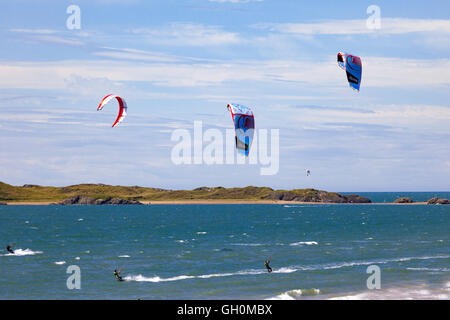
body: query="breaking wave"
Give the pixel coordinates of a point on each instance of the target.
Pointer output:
(23, 252)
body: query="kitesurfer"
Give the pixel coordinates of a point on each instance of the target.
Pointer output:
(8, 248)
(266, 263)
(117, 275)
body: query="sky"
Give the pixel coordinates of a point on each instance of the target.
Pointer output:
(176, 62)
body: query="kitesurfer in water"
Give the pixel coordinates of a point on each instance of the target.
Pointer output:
(117, 275)
(8, 248)
(266, 263)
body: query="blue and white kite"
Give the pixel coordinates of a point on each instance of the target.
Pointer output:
(244, 125)
(353, 67)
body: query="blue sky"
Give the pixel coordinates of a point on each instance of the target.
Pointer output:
(179, 61)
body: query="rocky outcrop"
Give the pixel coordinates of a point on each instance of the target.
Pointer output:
(3, 204)
(438, 201)
(404, 200)
(315, 196)
(77, 200)
(354, 198)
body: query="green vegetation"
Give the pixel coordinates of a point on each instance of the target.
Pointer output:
(34, 193)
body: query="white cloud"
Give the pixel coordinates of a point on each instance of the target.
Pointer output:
(421, 118)
(133, 54)
(187, 34)
(59, 40)
(349, 27)
(34, 31)
(50, 36)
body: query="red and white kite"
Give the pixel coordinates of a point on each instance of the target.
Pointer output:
(122, 107)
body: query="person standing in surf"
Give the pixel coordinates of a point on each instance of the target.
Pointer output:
(266, 263)
(9, 249)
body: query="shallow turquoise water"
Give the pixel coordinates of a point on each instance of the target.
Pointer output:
(218, 251)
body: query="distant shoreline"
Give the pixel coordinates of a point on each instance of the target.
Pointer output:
(101, 194)
(218, 202)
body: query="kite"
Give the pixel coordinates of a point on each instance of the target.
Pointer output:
(244, 125)
(353, 68)
(122, 107)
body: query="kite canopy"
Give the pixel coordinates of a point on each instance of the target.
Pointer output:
(353, 67)
(244, 125)
(122, 107)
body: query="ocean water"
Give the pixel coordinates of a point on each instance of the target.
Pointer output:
(218, 251)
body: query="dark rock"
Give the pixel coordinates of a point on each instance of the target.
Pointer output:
(354, 198)
(404, 200)
(30, 185)
(438, 201)
(3, 204)
(73, 200)
(99, 201)
(116, 201)
(208, 189)
(316, 196)
(77, 200)
(202, 189)
(86, 200)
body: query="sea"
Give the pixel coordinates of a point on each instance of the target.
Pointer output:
(174, 252)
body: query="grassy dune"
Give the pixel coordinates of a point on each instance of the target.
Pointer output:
(34, 193)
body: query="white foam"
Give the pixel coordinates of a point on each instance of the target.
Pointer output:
(285, 270)
(307, 243)
(202, 232)
(411, 292)
(429, 269)
(124, 256)
(295, 294)
(21, 252)
(141, 278)
(60, 262)
(287, 206)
